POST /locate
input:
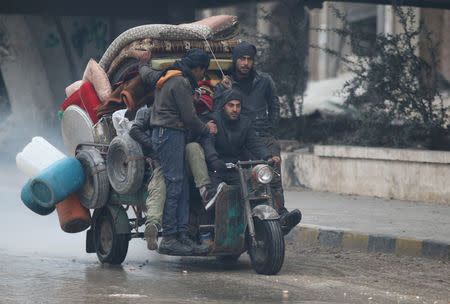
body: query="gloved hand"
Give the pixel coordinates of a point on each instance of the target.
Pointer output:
(218, 165)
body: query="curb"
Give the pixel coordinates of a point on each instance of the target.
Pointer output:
(347, 240)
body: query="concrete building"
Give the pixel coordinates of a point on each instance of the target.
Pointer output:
(327, 73)
(40, 55)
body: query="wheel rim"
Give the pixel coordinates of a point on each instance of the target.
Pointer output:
(106, 236)
(88, 186)
(120, 166)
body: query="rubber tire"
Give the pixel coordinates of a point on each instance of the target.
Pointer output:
(127, 65)
(110, 247)
(268, 232)
(125, 177)
(95, 191)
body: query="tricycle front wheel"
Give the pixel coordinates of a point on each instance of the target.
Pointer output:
(110, 246)
(267, 256)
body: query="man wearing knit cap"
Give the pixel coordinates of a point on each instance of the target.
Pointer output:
(173, 114)
(234, 135)
(261, 105)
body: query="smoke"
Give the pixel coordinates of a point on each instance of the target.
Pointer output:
(17, 130)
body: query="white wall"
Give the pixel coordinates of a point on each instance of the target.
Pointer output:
(391, 173)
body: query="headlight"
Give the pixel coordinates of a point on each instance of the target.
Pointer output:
(262, 173)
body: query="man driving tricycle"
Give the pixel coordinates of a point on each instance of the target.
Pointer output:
(241, 213)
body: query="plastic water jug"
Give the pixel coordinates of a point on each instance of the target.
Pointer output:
(29, 201)
(36, 156)
(73, 217)
(57, 182)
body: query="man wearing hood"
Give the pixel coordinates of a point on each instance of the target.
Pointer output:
(262, 106)
(235, 134)
(173, 114)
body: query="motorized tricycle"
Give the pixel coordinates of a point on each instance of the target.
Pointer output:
(245, 217)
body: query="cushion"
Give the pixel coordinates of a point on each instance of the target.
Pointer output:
(73, 87)
(97, 76)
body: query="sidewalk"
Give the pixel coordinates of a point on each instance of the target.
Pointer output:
(373, 224)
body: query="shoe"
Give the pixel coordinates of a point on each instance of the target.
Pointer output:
(207, 239)
(289, 220)
(214, 197)
(197, 249)
(206, 194)
(170, 245)
(151, 236)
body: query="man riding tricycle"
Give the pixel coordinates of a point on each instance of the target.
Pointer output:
(238, 210)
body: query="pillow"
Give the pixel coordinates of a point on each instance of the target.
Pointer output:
(73, 87)
(97, 76)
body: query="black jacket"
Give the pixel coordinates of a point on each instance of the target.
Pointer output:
(142, 132)
(230, 142)
(261, 104)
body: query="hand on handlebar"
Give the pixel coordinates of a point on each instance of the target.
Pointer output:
(212, 127)
(274, 160)
(218, 165)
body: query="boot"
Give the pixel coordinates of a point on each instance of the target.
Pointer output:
(289, 220)
(185, 239)
(151, 236)
(170, 245)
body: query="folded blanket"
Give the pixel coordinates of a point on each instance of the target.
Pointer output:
(134, 94)
(222, 28)
(221, 25)
(86, 98)
(131, 94)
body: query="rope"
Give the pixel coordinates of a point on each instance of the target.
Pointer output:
(82, 101)
(210, 49)
(133, 159)
(97, 171)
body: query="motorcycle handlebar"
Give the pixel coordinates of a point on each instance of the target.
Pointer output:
(245, 163)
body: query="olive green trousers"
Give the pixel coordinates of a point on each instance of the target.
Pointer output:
(196, 169)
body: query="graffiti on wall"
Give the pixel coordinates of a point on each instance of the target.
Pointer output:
(82, 35)
(95, 32)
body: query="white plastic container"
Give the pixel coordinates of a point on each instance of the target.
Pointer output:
(36, 156)
(76, 127)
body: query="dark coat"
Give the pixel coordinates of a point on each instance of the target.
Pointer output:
(173, 107)
(149, 76)
(142, 132)
(261, 103)
(205, 116)
(232, 139)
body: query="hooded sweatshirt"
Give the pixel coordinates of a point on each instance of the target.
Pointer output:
(232, 139)
(173, 107)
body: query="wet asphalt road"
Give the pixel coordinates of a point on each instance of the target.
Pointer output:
(41, 264)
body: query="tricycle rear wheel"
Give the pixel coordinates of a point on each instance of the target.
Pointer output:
(267, 256)
(110, 246)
